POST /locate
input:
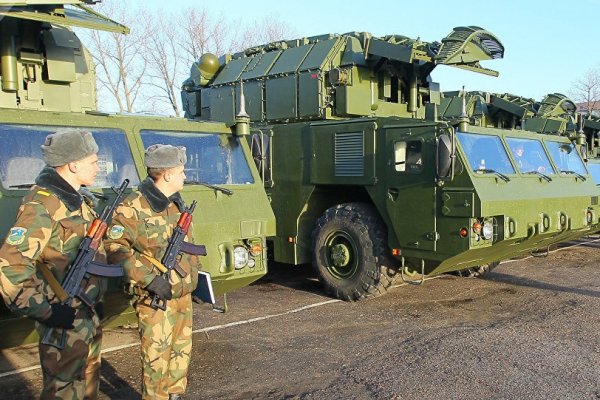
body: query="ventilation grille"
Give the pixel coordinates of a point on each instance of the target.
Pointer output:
(349, 154)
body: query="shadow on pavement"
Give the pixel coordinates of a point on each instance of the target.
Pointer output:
(113, 386)
(526, 282)
(297, 277)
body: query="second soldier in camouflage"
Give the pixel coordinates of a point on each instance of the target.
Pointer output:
(137, 239)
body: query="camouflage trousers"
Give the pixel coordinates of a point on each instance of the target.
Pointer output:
(73, 373)
(166, 345)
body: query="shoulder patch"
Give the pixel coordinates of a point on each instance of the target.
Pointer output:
(116, 232)
(16, 235)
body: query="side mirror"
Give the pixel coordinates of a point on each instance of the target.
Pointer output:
(445, 157)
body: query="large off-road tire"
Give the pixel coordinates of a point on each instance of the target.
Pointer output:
(479, 271)
(350, 252)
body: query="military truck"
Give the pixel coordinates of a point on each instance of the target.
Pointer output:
(48, 82)
(367, 175)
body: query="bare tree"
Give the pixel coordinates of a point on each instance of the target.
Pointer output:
(270, 29)
(202, 34)
(164, 60)
(586, 91)
(120, 66)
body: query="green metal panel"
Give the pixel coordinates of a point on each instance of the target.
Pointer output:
(281, 107)
(261, 64)
(290, 60)
(255, 104)
(343, 153)
(353, 53)
(231, 71)
(319, 54)
(222, 102)
(458, 204)
(310, 97)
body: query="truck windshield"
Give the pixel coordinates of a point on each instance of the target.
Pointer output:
(566, 158)
(211, 158)
(529, 156)
(21, 155)
(485, 153)
(594, 171)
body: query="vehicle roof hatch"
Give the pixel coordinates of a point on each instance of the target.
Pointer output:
(465, 46)
(55, 12)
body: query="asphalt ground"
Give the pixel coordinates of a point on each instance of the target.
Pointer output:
(529, 330)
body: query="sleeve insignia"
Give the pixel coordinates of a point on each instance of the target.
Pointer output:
(116, 232)
(16, 235)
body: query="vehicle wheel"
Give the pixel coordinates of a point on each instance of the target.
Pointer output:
(478, 271)
(350, 252)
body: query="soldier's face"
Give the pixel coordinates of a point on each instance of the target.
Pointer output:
(86, 170)
(176, 178)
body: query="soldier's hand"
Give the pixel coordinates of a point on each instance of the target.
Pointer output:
(62, 316)
(160, 287)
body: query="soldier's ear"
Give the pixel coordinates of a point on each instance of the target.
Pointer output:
(72, 167)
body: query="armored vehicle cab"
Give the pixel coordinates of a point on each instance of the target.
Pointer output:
(53, 86)
(365, 176)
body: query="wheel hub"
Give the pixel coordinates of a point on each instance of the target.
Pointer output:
(340, 255)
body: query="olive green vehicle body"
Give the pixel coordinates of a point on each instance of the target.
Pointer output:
(54, 87)
(334, 117)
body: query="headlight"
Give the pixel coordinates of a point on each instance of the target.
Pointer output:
(240, 257)
(487, 231)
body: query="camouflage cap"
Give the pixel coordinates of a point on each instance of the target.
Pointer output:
(68, 145)
(164, 156)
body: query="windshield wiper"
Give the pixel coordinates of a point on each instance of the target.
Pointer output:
(493, 171)
(544, 176)
(577, 174)
(208, 185)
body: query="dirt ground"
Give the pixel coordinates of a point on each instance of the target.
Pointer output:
(529, 330)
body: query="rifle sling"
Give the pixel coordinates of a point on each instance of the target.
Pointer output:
(53, 282)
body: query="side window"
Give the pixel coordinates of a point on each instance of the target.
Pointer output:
(408, 156)
(216, 159)
(261, 154)
(21, 155)
(114, 159)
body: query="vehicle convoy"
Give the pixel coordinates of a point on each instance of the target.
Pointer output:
(371, 170)
(48, 82)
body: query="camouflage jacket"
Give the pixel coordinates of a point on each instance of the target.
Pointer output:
(141, 228)
(51, 222)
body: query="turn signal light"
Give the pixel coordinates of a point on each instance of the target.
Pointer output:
(464, 232)
(256, 249)
(476, 227)
(395, 252)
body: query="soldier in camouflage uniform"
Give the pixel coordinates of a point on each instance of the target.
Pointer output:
(51, 222)
(138, 238)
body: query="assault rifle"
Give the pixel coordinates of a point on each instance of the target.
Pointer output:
(83, 266)
(175, 246)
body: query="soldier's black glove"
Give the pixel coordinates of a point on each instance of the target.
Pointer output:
(160, 287)
(62, 317)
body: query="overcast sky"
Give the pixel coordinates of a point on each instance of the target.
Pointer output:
(548, 44)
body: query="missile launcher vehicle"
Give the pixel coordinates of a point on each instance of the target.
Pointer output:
(48, 82)
(371, 175)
